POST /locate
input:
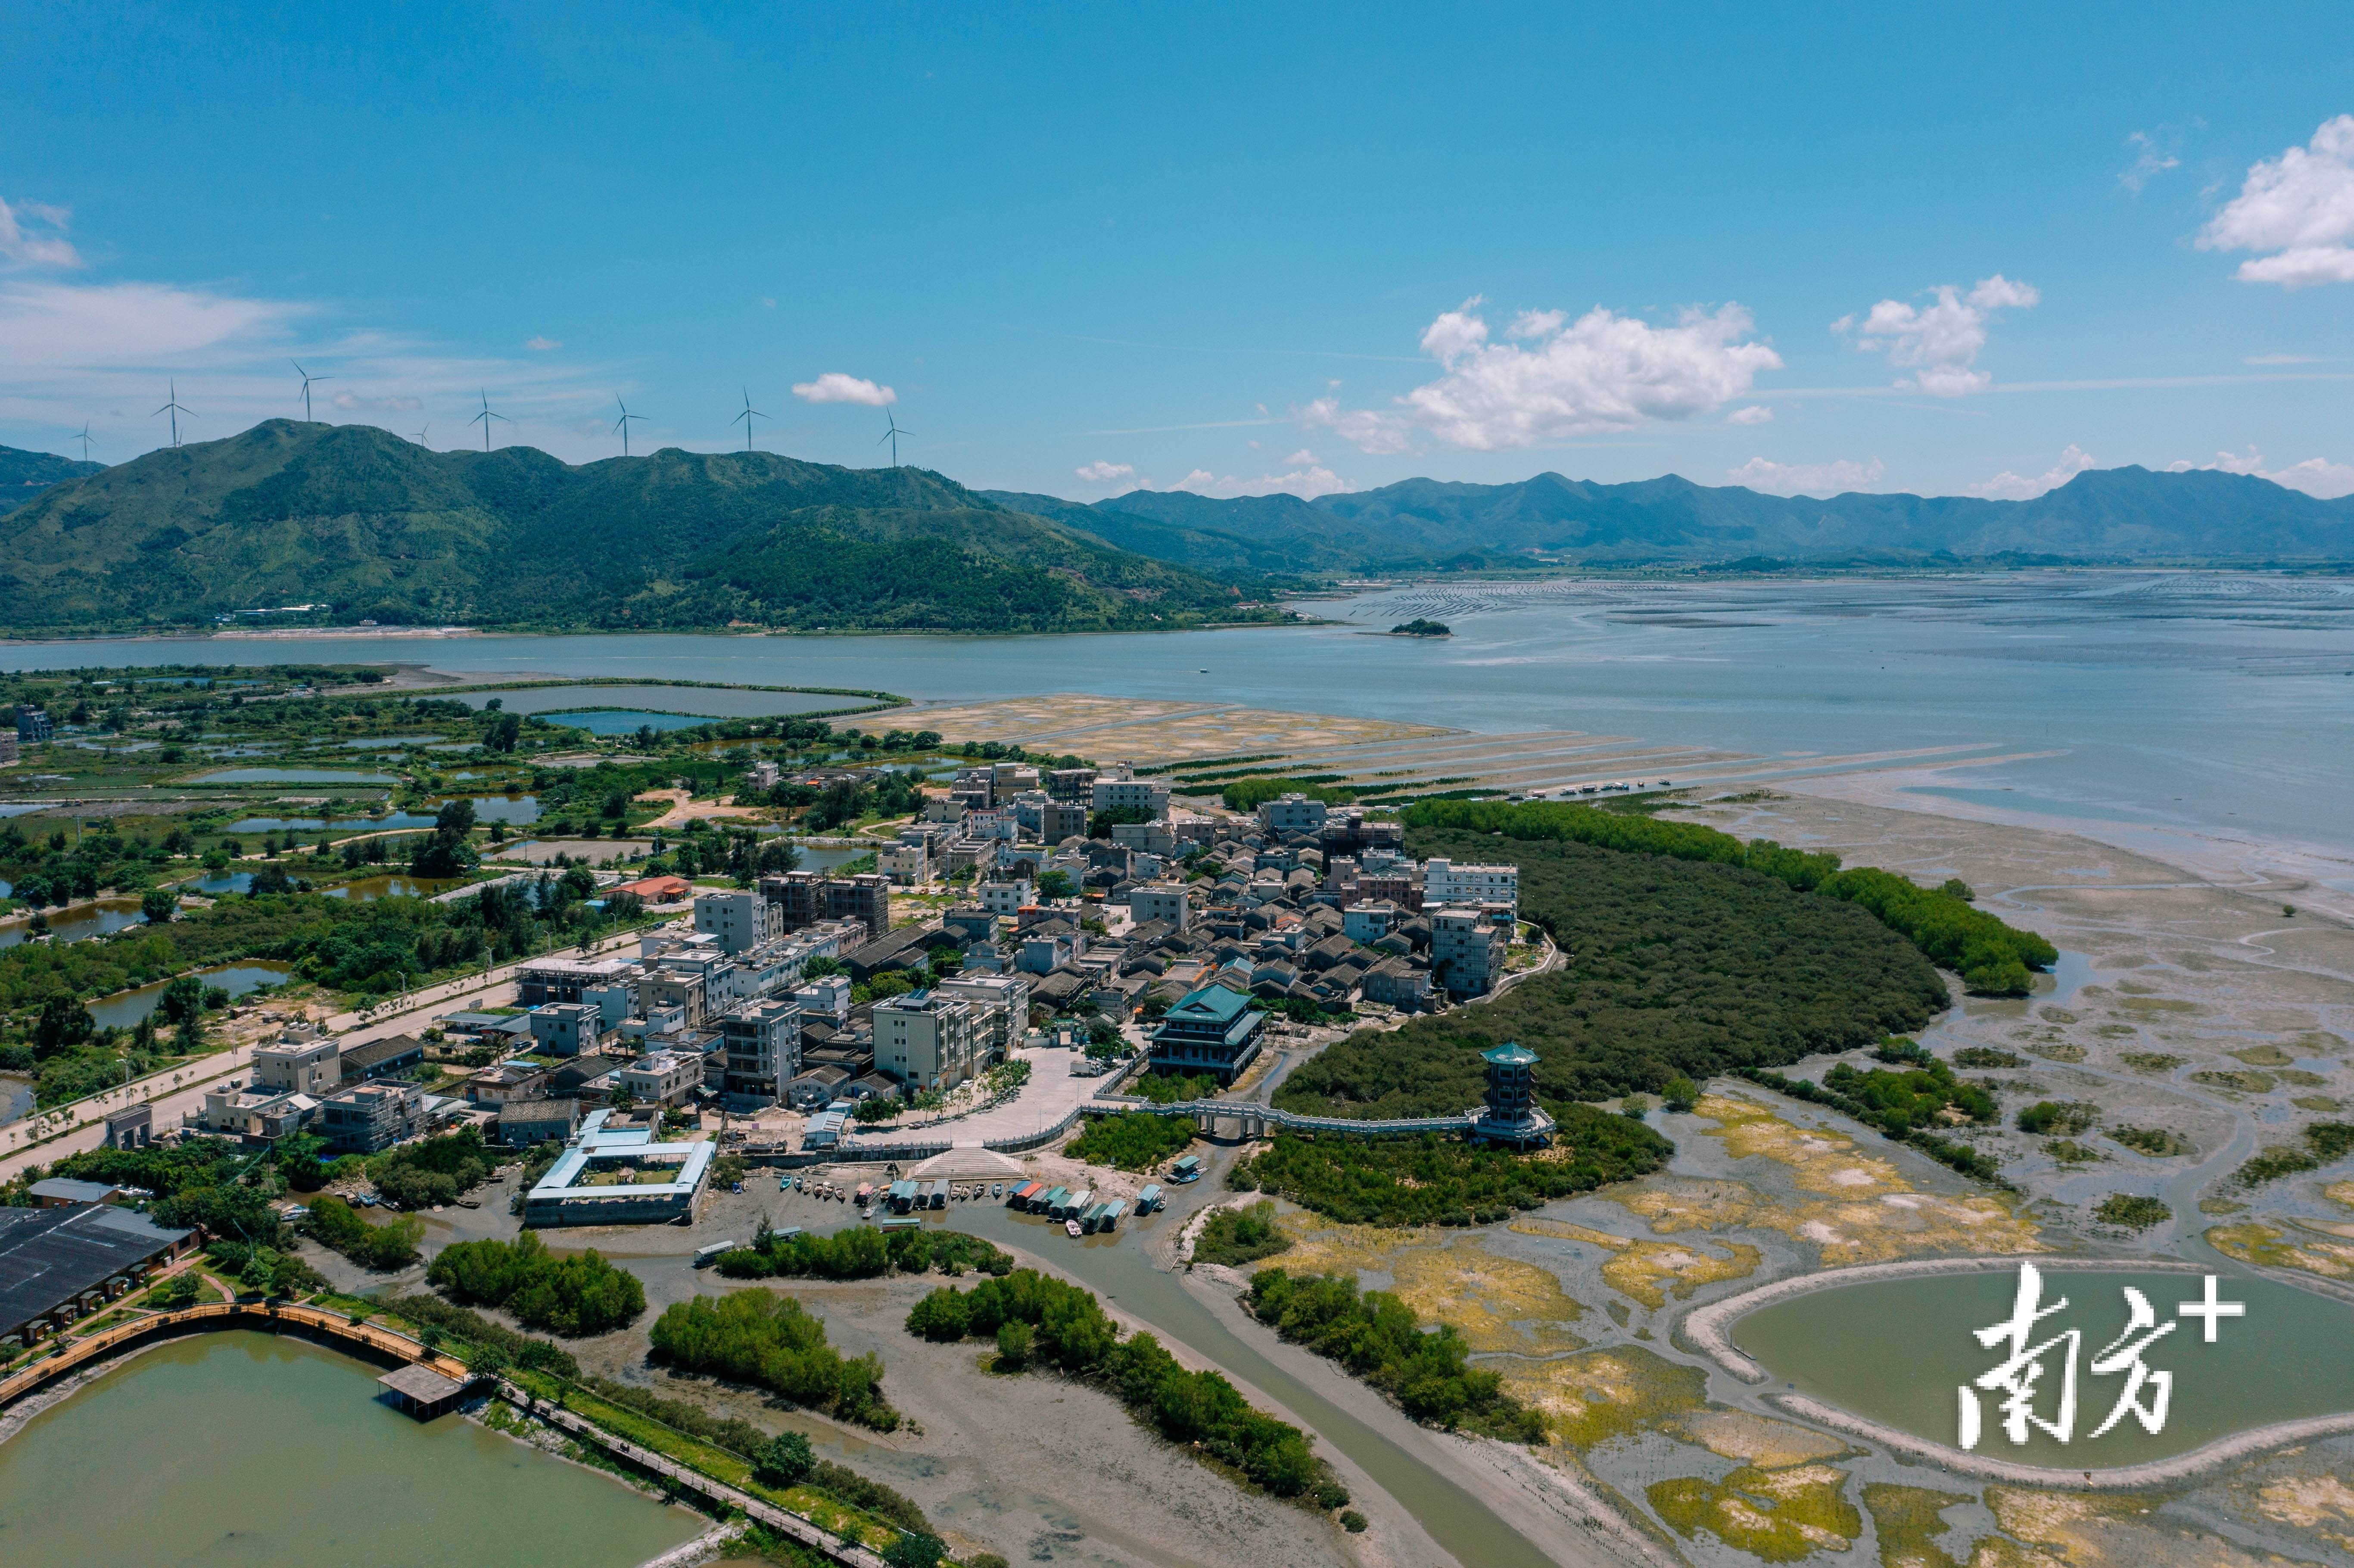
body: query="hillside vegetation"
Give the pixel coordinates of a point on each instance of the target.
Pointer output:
(372, 526)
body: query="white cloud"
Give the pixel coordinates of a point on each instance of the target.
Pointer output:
(2010, 486)
(1303, 457)
(1105, 473)
(2300, 206)
(1754, 414)
(21, 249)
(1807, 478)
(1601, 372)
(833, 387)
(1940, 345)
(2315, 476)
(2284, 359)
(1308, 483)
(543, 344)
(2150, 160)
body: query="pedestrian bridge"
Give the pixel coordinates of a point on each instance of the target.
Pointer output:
(1255, 1121)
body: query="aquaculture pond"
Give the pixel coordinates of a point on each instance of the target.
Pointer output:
(76, 922)
(291, 776)
(125, 1008)
(1898, 1351)
(264, 1452)
(626, 721)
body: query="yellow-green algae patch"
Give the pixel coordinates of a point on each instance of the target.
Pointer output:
(2270, 1247)
(2320, 1503)
(1866, 1212)
(1759, 1440)
(1497, 1304)
(1776, 1516)
(1908, 1520)
(2076, 1530)
(1600, 1395)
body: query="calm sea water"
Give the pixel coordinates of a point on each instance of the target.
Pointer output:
(2223, 702)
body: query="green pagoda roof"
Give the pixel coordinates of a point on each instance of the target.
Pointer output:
(1510, 1054)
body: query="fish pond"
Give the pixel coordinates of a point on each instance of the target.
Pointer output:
(125, 1008)
(250, 1449)
(1899, 1351)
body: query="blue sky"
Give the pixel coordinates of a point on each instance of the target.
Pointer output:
(1225, 247)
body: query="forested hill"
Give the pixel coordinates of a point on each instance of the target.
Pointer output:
(23, 475)
(374, 527)
(2119, 515)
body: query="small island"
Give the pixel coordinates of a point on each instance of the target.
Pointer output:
(1421, 628)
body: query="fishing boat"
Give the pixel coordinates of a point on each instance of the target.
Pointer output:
(1070, 1227)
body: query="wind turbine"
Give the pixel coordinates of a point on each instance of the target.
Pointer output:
(176, 411)
(420, 437)
(484, 418)
(746, 416)
(893, 435)
(622, 424)
(307, 380)
(84, 439)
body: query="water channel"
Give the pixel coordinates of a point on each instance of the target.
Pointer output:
(1896, 1350)
(263, 1452)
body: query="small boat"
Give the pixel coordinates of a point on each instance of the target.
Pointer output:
(997, 1189)
(1071, 1226)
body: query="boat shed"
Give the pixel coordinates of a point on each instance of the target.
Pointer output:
(421, 1391)
(60, 1264)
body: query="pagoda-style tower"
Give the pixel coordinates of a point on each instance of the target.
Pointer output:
(1511, 1114)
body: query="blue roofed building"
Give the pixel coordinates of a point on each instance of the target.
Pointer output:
(1213, 1029)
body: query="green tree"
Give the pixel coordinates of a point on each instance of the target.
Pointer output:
(1013, 1345)
(64, 1024)
(1055, 884)
(785, 1462)
(159, 905)
(1679, 1095)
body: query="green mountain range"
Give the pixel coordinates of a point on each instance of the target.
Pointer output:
(25, 475)
(2120, 514)
(368, 525)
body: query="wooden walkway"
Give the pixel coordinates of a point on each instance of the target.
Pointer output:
(333, 1328)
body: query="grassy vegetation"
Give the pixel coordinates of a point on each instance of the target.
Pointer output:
(1170, 1088)
(1992, 957)
(2325, 1142)
(1424, 1367)
(2058, 1118)
(1238, 1236)
(2132, 1211)
(1131, 1140)
(761, 1338)
(1200, 1409)
(2156, 1142)
(1677, 969)
(1432, 1180)
(1960, 1156)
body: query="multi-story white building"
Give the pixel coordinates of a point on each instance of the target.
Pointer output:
(661, 1077)
(1006, 897)
(1132, 795)
(829, 996)
(1467, 949)
(295, 1066)
(927, 1039)
(905, 863)
(762, 1043)
(1369, 921)
(1003, 1002)
(1292, 814)
(1444, 882)
(741, 920)
(1160, 901)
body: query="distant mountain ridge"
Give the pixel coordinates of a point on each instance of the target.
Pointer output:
(2103, 515)
(377, 527)
(25, 475)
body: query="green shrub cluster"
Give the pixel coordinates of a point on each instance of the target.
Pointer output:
(1992, 957)
(1961, 1157)
(336, 1226)
(573, 1295)
(1432, 1180)
(1170, 1088)
(1898, 1101)
(2325, 1142)
(1250, 794)
(2060, 1118)
(1378, 1338)
(2132, 1211)
(435, 1170)
(1982, 1056)
(1199, 1408)
(1676, 969)
(1238, 1236)
(860, 1252)
(761, 1338)
(520, 1349)
(1132, 1140)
